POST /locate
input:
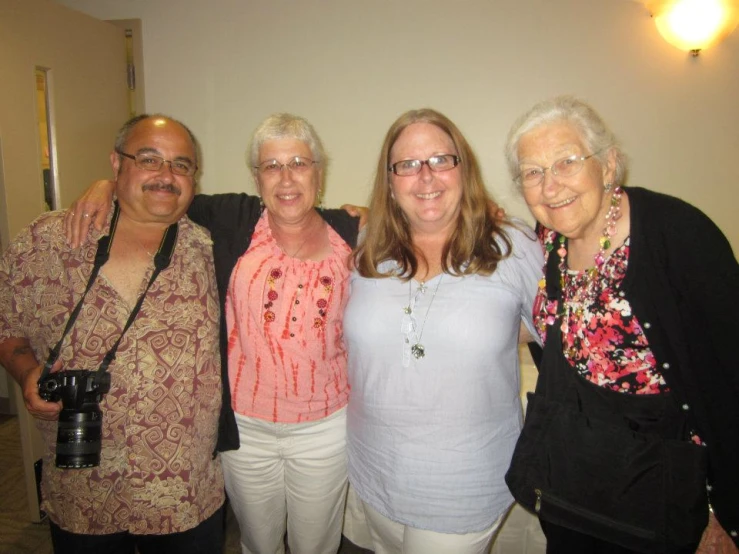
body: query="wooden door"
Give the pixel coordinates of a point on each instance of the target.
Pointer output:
(84, 61)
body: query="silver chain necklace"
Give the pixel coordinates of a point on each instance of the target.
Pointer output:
(417, 349)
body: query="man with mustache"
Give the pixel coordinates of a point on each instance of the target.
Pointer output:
(156, 486)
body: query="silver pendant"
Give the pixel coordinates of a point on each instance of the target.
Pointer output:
(418, 351)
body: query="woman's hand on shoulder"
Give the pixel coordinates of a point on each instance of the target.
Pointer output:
(362, 212)
(92, 207)
(496, 211)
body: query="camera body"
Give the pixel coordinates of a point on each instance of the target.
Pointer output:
(80, 421)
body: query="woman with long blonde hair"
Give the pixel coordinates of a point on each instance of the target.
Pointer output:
(438, 298)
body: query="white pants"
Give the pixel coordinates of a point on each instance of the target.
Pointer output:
(390, 537)
(288, 477)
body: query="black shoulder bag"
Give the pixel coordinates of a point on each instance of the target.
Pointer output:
(618, 467)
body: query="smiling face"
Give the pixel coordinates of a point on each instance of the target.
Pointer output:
(430, 200)
(289, 196)
(154, 196)
(574, 206)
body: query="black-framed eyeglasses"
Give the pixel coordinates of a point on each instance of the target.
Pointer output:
(532, 176)
(442, 162)
(152, 162)
(297, 164)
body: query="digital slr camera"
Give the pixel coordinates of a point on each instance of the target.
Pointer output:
(80, 421)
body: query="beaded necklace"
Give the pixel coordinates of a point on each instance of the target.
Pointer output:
(576, 298)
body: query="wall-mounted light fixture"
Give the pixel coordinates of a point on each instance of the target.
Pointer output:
(693, 25)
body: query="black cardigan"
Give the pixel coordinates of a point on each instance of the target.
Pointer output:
(231, 219)
(682, 282)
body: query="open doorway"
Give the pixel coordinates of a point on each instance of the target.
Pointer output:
(47, 149)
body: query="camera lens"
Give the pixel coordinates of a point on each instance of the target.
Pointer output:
(78, 438)
(80, 424)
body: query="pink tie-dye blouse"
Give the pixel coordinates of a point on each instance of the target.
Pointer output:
(286, 355)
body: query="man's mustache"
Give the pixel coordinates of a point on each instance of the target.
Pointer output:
(166, 187)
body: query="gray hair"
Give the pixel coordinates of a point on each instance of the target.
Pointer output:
(121, 137)
(286, 126)
(596, 136)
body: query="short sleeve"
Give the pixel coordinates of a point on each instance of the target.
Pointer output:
(523, 268)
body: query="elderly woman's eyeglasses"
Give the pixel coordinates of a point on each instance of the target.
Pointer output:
(298, 164)
(442, 162)
(532, 176)
(150, 162)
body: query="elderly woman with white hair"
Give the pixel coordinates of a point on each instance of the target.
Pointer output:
(281, 267)
(634, 425)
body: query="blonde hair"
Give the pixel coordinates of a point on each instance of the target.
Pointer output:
(474, 246)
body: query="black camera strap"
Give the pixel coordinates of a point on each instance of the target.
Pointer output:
(162, 259)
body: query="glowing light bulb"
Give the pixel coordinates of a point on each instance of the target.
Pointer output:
(693, 25)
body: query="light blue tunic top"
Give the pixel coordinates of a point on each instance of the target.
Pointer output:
(430, 438)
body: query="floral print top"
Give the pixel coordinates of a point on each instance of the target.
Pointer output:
(601, 337)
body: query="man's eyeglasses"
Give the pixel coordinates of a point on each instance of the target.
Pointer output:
(298, 164)
(151, 162)
(532, 176)
(442, 162)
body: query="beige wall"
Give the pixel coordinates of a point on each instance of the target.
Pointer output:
(351, 66)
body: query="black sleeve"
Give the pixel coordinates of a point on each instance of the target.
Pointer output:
(707, 275)
(210, 210)
(344, 224)
(200, 210)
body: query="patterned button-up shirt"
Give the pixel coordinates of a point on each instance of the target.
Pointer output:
(156, 474)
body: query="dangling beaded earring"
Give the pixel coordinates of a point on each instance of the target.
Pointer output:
(608, 187)
(320, 199)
